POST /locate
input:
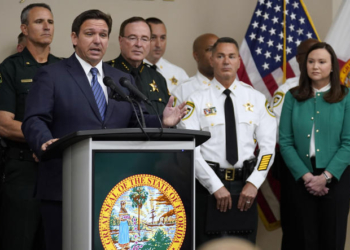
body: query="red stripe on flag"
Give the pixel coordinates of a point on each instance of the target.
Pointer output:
(270, 83)
(341, 63)
(265, 208)
(290, 72)
(243, 75)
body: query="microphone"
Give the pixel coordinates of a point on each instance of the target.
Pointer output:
(110, 83)
(125, 82)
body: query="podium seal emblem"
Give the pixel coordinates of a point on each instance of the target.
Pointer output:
(142, 212)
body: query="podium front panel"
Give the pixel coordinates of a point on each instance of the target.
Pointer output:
(140, 194)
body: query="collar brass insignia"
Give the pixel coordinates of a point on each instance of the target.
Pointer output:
(248, 106)
(154, 86)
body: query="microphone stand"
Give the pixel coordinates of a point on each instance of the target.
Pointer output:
(142, 125)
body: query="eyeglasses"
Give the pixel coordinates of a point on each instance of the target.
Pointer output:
(134, 39)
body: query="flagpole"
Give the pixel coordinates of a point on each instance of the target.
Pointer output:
(284, 42)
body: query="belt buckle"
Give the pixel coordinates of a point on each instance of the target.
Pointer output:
(230, 174)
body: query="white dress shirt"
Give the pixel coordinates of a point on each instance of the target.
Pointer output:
(172, 73)
(255, 123)
(186, 88)
(100, 75)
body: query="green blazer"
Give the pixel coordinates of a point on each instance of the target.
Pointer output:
(332, 134)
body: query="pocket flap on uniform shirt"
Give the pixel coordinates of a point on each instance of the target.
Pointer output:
(211, 121)
(249, 118)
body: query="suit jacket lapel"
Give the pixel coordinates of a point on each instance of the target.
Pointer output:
(80, 78)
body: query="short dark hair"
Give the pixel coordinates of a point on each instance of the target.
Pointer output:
(224, 40)
(20, 38)
(154, 20)
(134, 19)
(91, 14)
(304, 91)
(25, 11)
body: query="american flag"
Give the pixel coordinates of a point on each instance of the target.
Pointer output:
(268, 59)
(276, 29)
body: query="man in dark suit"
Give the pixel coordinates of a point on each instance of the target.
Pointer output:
(70, 96)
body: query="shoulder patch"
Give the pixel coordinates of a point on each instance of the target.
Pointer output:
(277, 98)
(264, 162)
(269, 109)
(190, 107)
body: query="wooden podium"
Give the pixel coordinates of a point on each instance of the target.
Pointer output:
(124, 189)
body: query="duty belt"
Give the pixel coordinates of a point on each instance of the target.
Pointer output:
(20, 154)
(226, 174)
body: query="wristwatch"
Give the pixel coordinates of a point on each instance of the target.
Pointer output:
(328, 179)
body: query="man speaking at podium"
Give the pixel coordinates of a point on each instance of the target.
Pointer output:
(70, 96)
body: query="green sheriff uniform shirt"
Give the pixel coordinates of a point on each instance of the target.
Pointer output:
(16, 77)
(152, 84)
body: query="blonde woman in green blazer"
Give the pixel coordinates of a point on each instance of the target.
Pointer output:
(315, 144)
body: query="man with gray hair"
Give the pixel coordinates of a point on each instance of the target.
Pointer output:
(21, 224)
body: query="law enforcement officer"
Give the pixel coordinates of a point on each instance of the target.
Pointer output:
(21, 44)
(238, 118)
(134, 40)
(202, 47)
(21, 222)
(173, 74)
(290, 219)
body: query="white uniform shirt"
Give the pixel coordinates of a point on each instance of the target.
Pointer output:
(172, 73)
(189, 86)
(255, 122)
(278, 97)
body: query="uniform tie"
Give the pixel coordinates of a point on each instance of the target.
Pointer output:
(98, 93)
(135, 73)
(230, 124)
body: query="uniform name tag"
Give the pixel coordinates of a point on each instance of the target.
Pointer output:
(26, 80)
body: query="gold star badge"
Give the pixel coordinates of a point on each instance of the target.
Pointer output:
(173, 80)
(249, 107)
(209, 105)
(154, 86)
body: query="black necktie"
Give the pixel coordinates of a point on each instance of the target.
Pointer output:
(230, 124)
(135, 73)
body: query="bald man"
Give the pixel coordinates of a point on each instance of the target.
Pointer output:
(290, 218)
(202, 47)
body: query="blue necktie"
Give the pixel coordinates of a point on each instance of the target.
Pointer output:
(98, 93)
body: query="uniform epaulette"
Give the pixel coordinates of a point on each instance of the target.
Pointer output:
(246, 85)
(187, 80)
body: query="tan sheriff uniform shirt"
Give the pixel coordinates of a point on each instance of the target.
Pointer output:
(255, 123)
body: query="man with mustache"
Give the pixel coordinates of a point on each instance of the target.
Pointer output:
(20, 212)
(135, 41)
(172, 73)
